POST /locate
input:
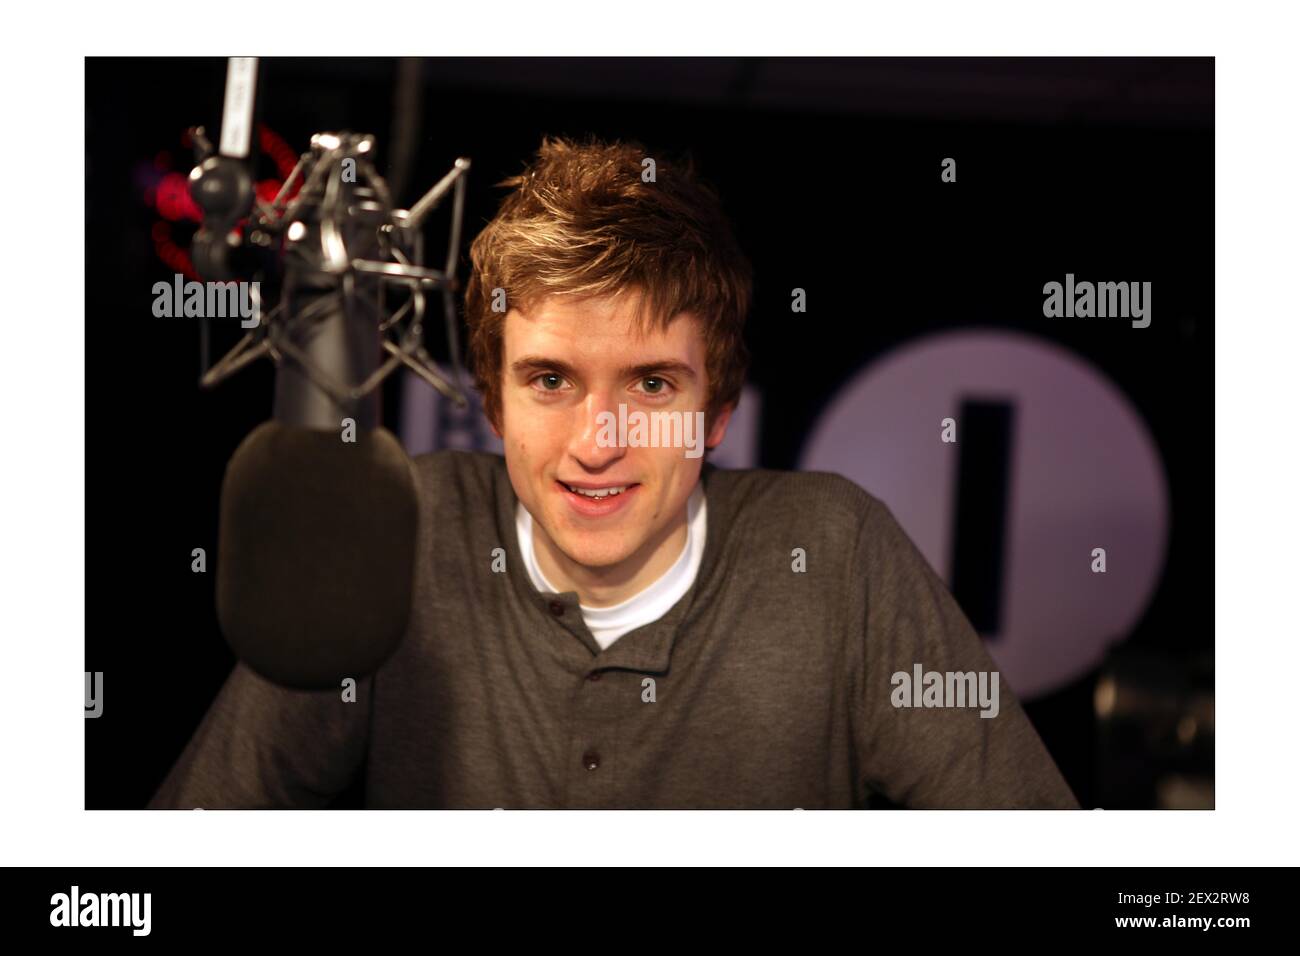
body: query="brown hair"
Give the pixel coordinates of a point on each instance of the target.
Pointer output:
(581, 222)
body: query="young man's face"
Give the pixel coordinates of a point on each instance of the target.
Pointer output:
(563, 364)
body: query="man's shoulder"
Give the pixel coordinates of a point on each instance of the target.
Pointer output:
(460, 475)
(453, 460)
(765, 502)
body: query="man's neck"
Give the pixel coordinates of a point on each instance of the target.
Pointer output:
(605, 587)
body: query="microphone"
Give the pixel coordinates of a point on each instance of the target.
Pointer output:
(316, 553)
(319, 512)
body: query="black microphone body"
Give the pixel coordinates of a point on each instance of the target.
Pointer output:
(318, 519)
(318, 506)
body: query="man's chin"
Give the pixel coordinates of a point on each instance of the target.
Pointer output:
(594, 550)
(596, 557)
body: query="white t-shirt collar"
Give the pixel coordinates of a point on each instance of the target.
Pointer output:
(608, 624)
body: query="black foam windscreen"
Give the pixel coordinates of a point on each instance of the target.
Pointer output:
(316, 554)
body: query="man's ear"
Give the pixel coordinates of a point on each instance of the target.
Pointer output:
(718, 430)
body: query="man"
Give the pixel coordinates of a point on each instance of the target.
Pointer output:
(600, 618)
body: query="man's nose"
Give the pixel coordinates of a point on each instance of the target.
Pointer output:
(595, 440)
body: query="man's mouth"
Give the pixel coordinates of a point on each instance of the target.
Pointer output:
(592, 500)
(603, 491)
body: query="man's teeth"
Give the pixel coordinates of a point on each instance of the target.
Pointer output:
(598, 492)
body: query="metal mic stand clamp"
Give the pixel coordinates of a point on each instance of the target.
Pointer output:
(344, 244)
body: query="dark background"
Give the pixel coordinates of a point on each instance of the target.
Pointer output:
(829, 171)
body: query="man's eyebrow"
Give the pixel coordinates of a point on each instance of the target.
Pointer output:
(666, 367)
(540, 363)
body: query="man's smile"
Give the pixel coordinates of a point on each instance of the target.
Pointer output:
(592, 500)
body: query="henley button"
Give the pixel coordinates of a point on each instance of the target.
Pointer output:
(591, 760)
(557, 608)
(594, 675)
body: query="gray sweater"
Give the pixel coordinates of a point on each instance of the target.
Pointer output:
(763, 687)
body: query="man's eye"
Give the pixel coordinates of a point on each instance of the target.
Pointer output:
(550, 381)
(654, 386)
